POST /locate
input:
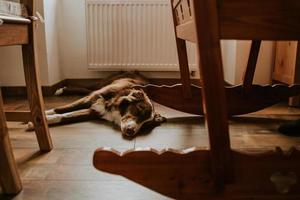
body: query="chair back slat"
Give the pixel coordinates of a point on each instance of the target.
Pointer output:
(259, 19)
(246, 19)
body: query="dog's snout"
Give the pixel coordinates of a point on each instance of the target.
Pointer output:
(129, 128)
(129, 131)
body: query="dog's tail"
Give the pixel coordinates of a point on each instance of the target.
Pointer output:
(72, 91)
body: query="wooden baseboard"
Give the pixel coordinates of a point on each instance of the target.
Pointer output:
(18, 116)
(20, 91)
(158, 81)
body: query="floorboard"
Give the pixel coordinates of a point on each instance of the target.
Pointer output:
(67, 172)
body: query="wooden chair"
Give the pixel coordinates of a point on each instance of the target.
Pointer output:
(21, 31)
(220, 171)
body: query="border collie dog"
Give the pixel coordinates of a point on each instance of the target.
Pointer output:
(117, 99)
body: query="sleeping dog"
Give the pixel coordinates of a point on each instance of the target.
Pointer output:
(117, 99)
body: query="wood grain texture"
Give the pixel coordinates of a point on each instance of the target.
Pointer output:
(186, 174)
(186, 31)
(259, 19)
(67, 170)
(20, 91)
(35, 98)
(14, 19)
(287, 66)
(9, 176)
(238, 103)
(285, 61)
(13, 34)
(168, 172)
(295, 101)
(297, 66)
(256, 19)
(213, 91)
(18, 116)
(34, 92)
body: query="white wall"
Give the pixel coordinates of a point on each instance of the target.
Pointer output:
(11, 65)
(73, 40)
(64, 56)
(52, 14)
(74, 58)
(228, 48)
(263, 74)
(11, 70)
(74, 48)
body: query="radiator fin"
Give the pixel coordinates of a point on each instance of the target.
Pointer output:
(132, 35)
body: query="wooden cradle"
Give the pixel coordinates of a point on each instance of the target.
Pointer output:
(219, 172)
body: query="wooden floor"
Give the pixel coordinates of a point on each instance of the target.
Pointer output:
(67, 172)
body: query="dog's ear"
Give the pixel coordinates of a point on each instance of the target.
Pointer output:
(124, 105)
(138, 95)
(157, 121)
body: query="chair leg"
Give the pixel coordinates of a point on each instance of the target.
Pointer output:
(184, 68)
(9, 175)
(213, 91)
(251, 66)
(183, 62)
(34, 94)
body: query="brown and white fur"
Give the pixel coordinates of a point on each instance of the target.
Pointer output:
(117, 100)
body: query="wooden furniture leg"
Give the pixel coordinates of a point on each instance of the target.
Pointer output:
(295, 101)
(184, 68)
(34, 92)
(9, 176)
(251, 66)
(210, 64)
(183, 63)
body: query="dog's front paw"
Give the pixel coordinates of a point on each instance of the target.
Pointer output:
(50, 112)
(159, 119)
(30, 126)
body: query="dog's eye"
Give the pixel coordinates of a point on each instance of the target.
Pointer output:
(141, 107)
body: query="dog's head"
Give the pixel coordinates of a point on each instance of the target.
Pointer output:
(136, 109)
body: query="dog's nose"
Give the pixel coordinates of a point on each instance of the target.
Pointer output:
(129, 131)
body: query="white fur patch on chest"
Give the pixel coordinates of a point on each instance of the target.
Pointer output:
(99, 106)
(113, 116)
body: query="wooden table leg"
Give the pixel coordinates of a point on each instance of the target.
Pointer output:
(251, 66)
(9, 176)
(34, 93)
(214, 99)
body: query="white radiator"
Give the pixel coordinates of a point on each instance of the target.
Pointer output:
(132, 35)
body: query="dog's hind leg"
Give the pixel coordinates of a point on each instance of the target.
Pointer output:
(67, 118)
(82, 103)
(72, 90)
